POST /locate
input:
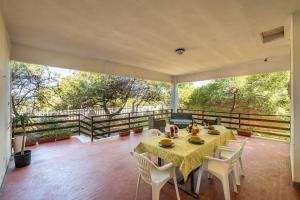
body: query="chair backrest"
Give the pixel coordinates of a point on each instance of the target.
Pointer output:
(144, 165)
(239, 143)
(236, 154)
(153, 133)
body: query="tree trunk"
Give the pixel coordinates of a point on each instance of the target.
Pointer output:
(233, 106)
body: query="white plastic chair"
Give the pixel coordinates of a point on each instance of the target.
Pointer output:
(222, 169)
(234, 145)
(153, 133)
(155, 176)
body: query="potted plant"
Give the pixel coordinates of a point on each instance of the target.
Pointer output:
(63, 134)
(243, 132)
(123, 133)
(138, 128)
(47, 137)
(23, 157)
(30, 140)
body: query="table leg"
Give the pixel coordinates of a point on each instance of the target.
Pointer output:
(159, 161)
(192, 175)
(189, 190)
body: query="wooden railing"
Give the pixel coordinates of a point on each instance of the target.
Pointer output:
(278, 125)
(93, 126)
(104, 125)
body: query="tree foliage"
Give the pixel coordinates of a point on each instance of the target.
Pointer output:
(30, 86)
(86, 90)
(35, 87)
(263, 93)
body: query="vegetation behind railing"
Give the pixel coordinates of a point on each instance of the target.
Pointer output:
(98, 126)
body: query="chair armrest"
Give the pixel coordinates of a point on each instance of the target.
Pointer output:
(147, 155)
(226, 148)
(210, 158)
(221, 149)
(144, 154)
(165, 167)
(211, 162)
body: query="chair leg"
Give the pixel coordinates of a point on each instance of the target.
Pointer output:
(226, 189)
(155, 192)
(176, 188)
(209, 176)
(236, 174)
(137, 188)
(199, 180)
(234, 182)
(242, 167)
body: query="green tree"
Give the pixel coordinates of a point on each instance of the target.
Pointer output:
(263, 93)
(30, 86)
(86, 90)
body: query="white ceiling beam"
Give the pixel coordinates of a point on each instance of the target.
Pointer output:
(33, 55)
(273, 64)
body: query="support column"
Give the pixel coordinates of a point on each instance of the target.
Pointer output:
(295, 98)
(174, 94)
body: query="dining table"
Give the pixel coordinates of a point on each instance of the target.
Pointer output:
(184, 154)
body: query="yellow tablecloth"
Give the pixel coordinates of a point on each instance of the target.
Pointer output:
(184, 154)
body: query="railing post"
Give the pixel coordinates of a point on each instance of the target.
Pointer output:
(239, 120)
(129, 121)
(92, 128)
(79, 124)
(202, 113)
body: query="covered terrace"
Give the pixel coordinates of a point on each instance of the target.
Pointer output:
(139, 39)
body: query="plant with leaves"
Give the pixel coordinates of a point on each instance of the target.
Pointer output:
(23, 121)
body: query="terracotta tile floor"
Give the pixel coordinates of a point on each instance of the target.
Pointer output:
(104, 170)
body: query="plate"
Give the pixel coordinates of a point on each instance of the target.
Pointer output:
(166, 146)
(213, 132)
(199, 143)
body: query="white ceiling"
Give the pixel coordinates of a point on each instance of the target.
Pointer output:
(218, 35)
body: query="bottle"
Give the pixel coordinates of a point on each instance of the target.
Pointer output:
(176, 129)
(172, 129)
(190, 128)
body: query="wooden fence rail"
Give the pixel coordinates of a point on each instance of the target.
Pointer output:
(104, 125)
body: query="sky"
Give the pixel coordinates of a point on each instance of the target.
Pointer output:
(200, 83)
(62, 71)
(67, 72)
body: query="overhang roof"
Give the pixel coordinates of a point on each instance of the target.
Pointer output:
(138, 37)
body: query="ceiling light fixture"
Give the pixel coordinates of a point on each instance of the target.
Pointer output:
(180, 51)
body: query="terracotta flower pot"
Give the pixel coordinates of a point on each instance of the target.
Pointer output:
(62, 137)
(244, 133)
(124, 133)
(46, 140)
(138, 130)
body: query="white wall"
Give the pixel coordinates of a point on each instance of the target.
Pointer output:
(295, 90)
(4, 99)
